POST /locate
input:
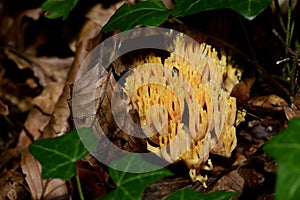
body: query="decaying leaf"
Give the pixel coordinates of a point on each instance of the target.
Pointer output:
(291, 112)
(51, 69)
(41, 189)
(47, 99)
(14, 33)
(272, 102)
(87, 40)
(35, 123)
(100, 15)
(230, 182)
(242, 90)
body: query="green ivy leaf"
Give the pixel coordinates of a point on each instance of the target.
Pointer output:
(59, 8)
(189, 194)
(148, 13)
(247, 8)
(58, 156)
(285, 148)
(131, 185)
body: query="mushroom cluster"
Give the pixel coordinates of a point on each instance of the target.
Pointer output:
(184, 104)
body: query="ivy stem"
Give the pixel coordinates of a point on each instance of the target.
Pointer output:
(79, 185)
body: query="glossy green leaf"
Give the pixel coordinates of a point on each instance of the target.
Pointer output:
(148, 13)
(58, 156)
(131, 185)
(189, 194)
(285, 148)
(59, 8)
(247, 8)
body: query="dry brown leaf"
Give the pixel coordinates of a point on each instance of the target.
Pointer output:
(20, 61)
(12, 183)
(100, 15)
(23, 142)
(46, 69)
(3, 109)
(51, 69)
(12, 191)
(272, 102)
(230, 182)
(59, 120)
(35, 123)
(14, 36)
(47, 99)
(41, 189)
(242, 90)
(291, 112)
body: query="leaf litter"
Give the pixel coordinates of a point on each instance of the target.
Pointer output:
(38, 107)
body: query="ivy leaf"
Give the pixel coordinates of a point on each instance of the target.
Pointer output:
(58, 155)
(148, 13)
(247, 8)
(131, 185)
(285, 148)
(189, 194)
(59, 8)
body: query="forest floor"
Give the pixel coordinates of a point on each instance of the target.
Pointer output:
(38, 61)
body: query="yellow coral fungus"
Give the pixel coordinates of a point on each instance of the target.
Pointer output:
(184, 104)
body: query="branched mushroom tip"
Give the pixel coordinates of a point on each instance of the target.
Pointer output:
(184, 103)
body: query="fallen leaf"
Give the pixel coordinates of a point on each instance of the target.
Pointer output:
(20, 61)
(35, 122)
(23, 142)
(291, 112)
(51, 69)
(41, 189)
(272, 102)
(59, 120)
(231, 181)
(3, 109)
(47, 99)
(242, 90)
(100, 15)
(14, 36)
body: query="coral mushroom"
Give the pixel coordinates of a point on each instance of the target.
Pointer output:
(184, 104)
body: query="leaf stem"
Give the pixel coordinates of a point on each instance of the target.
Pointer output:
(79, 185)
